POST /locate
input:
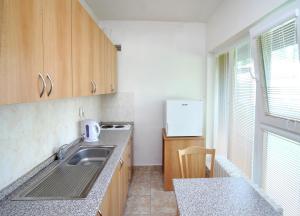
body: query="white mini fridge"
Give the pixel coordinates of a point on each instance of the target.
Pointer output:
(183, 118)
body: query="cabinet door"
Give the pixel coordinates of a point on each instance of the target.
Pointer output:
(115, 193)
(101, 77)
(105, 205)
(82, 50)
(97, 58)
(171, 145)
(124, 180)
(122, 187)
(130, 159)
(110, 204)
(57, 47)
(113, 69)
(21, 50)
(107, 66)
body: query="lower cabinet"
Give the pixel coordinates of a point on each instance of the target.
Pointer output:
(110, 203)
(171, 166)
(115, 198)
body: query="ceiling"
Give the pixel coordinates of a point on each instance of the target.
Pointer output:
(154, 10)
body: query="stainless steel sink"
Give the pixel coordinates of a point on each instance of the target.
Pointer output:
(90, 156)
(72, 178)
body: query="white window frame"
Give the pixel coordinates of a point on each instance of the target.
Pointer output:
(265, 122)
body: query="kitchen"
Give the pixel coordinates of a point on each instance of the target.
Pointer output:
(59, 67)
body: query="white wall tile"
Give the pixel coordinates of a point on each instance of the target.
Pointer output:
(32, 132)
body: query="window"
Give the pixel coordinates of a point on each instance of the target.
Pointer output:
(242, 110)
(276, 163)
(280, 55)
(281, 178)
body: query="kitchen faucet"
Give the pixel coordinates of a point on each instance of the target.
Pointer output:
(61, 153)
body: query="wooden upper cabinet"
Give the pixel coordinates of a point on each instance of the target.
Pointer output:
(21, 50)
(106, 66)
(101, 76)
(97, 59)
(57, 48)
(114, 69)
(93, 56)
(82, 50)
(35, 52)
(110, 67)
(52, 49)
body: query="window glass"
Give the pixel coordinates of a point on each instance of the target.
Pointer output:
(281, 173)
(280, 54)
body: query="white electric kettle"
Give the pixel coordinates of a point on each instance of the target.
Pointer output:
(90, 130)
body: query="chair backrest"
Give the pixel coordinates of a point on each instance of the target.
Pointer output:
(192, 162)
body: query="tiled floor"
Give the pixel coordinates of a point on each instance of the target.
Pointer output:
(147, 196)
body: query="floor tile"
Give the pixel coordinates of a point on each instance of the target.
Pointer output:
(137, 215)
(147, 196)
(157, 185)
(139, 189)
(142, 168)
(163, 203)
(156, 175)
(141, 177)
(156, 168)
(138, 205)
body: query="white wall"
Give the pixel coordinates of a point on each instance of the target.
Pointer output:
(159, 60)
(31, 133)
(233, 16)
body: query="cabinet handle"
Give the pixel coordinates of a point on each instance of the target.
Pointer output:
(99, 213)
(121, 163)
(51, 85)
(44, 84)
(111, 88)
(95, 87)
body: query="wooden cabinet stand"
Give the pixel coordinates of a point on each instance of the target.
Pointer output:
(171, 145)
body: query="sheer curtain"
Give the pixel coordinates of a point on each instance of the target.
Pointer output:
(222, 104)
(242, 121)
(235, 111)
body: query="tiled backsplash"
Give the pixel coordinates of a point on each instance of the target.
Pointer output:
(118, 107)
(30, 133)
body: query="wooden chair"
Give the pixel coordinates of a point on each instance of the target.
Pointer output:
(193, 162)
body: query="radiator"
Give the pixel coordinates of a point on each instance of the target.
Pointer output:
(225, 168)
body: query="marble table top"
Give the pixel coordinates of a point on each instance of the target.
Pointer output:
(220, 196)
